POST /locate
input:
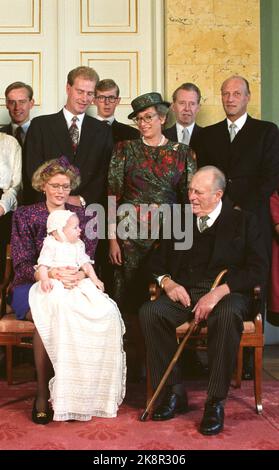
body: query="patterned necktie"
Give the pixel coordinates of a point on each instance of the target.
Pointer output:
(185, 136)
(19, 135)
(74, 133)
(203, 223)
(233, 128)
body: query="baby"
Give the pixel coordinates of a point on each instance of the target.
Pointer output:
(63, 247)
(81, 328)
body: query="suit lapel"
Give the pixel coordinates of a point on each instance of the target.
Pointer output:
(84, 146)
(171, 133)
(241, 140)
(225, 231)
(61, 132)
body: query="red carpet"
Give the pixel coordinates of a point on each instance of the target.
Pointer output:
(244, 429)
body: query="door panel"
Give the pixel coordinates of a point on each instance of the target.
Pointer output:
(41, 40)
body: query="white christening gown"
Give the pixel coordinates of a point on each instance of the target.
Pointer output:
(82, 332)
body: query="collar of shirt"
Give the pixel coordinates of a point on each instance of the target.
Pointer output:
(69, 116)
(110, 119)
(239, 122)
(180, 128)
(212, 216)
(24, 126)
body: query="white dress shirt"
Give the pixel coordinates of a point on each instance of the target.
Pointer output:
(180, 129)
(69, 116)
(212, 217)
(110, 119)
(239, 123)
(10, 171)
(24, 128)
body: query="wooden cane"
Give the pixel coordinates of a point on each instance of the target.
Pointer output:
(192, 328)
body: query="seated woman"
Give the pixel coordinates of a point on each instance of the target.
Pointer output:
(10, 181)
(56, 178)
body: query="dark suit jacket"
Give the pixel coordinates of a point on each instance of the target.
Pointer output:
(171, 134)
(7, 129)
(250, 162)
(48, 137)
(122, 132)
(238, 247)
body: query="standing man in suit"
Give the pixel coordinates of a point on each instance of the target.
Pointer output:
(19, 102)
(246, 150)
(84, 140)
(185, 105)
(106, 100)
(223, 237)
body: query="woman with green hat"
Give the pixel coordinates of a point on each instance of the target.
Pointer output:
(151, 170)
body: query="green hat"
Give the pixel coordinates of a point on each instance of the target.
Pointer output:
(144, 101)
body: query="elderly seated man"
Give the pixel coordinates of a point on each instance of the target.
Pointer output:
(223, 237)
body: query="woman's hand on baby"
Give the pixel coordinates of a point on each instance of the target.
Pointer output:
(69, 276)
(98, 283)
(46, 285)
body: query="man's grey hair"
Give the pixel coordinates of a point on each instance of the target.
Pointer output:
(219, 181)
(238, 77)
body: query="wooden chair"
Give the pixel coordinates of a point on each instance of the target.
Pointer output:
(13, 332)
(252, 336)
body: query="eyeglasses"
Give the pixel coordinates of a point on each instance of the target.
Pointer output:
(103, 98)
(147, 118)
(56, 186)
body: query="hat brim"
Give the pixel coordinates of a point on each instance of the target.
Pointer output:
(134, 113)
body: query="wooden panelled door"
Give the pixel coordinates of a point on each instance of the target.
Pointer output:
(41, 40)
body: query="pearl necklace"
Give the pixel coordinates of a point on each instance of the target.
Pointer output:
(162, 140)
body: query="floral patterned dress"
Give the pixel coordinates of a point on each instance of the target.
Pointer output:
(142, 174)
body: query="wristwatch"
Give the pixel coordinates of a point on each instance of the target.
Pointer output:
(82, 202)
(162, 282)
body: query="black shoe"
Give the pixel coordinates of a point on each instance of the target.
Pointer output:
(41, 417)
(171, 405)
(213, 418)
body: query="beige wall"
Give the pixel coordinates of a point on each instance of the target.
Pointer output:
(206, 42)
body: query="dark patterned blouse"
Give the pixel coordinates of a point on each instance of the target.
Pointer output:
(141, 173)
(28, 233)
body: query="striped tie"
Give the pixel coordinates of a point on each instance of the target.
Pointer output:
(203, 223)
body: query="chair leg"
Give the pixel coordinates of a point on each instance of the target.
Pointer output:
(9, 363)
(239, 365)
(258, 362)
